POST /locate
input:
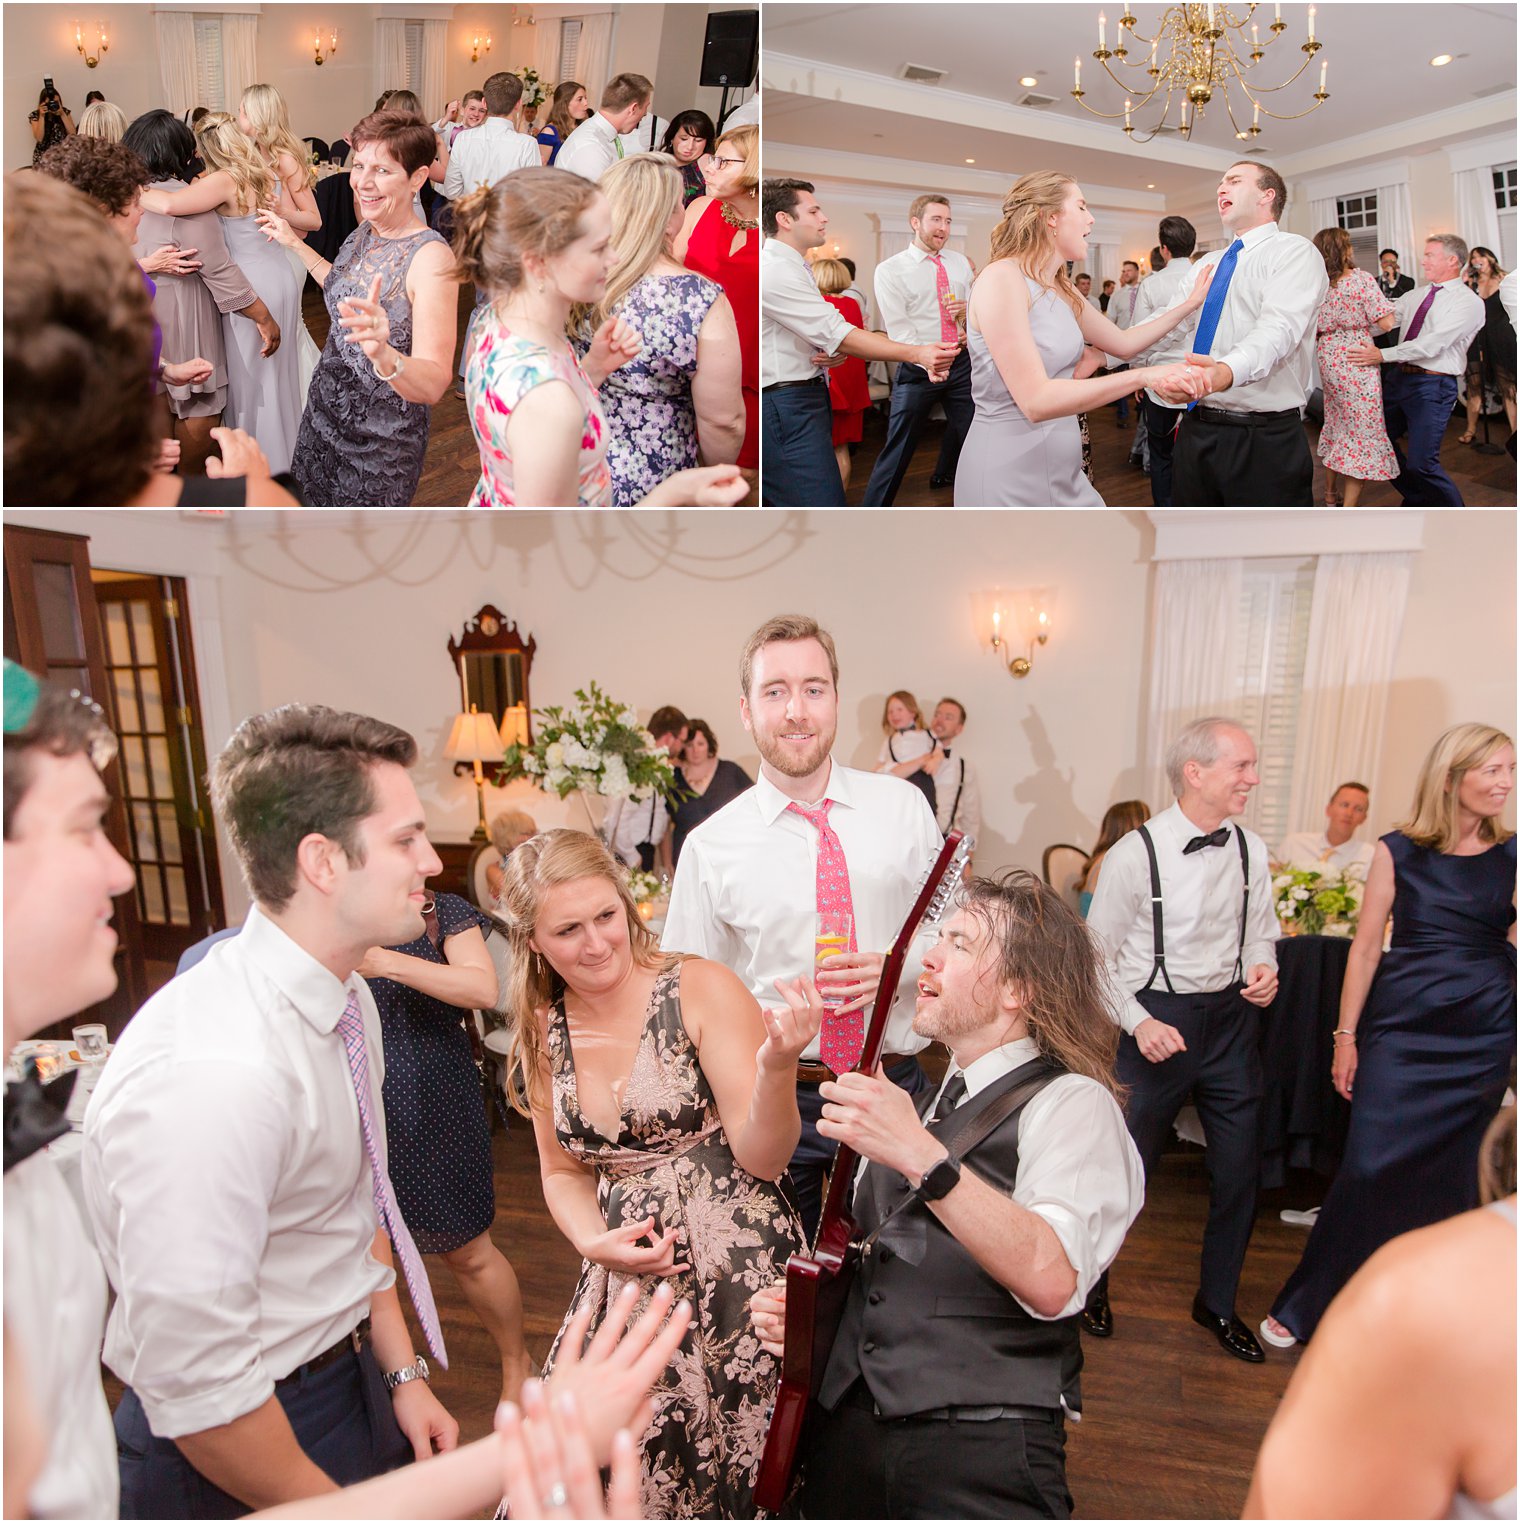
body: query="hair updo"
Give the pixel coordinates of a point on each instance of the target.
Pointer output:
(530, 211)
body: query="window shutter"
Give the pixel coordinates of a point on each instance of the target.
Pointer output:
(209, 84)
(569, 47)
(414, 60)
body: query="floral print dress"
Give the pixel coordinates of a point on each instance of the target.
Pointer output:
(500, 370)
(671, 1160)
(1353, 441)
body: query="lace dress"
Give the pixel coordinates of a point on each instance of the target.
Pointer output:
(671, 1160)
(362, 445)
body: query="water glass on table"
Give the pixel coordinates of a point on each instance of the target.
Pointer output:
(90, 1043)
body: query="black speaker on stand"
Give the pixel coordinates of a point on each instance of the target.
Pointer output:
(730, 54)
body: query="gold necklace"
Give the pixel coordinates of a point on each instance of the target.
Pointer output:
(744, 224)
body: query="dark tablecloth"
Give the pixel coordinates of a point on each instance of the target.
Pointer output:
(335, 200)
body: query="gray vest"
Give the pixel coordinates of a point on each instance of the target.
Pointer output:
(924, 1324)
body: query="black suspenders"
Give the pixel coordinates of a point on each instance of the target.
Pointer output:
(1159, 965)
(960, 788)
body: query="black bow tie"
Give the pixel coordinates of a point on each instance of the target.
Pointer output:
(946, 750)
(35, 1113)
(1213, 838)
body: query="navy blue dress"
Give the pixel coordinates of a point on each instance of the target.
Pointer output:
(437, 1136)
(1435, 1046)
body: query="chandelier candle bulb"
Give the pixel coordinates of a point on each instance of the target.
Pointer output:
(1102, 25)
(1079, 74)
(1311, 23)
(1324, 69)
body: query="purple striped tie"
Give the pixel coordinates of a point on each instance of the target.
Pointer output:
(351, 1029)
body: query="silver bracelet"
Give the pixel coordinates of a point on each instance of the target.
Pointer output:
(400, 366)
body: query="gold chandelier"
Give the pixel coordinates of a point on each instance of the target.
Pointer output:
(1198, 50)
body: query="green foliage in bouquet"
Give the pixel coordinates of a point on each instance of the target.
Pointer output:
(1314, 903)
(534, 94)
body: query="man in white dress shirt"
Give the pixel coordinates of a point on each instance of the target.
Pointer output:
(1121, 313)
(921, 294)
(1184, 913)
(799, 332)
(1159, 291)
(485, 154)
(957, 791)
(745, 892)
(596, 145)
(228, 1159)
(470, 110)
(1334, 847)
(1245, 444)
(1437, 322)
(1083, 283)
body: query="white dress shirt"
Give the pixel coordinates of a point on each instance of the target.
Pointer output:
(1200, 896)
(1122, 306)
(795, 321)
(901, 746)
(746, 115)
(591, 150)
(637, 820)
(1312, 849)
(958, 797)
(1507, 289)
(859, 298)
(227, 1182)
(1159, 293)
(1449, 327)
(1078, 1169)
(907, 293)
(746, 889)
(1266, 330)
(645, 138)
(55, 1311)
(485, 154)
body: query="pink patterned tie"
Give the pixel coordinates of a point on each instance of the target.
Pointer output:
(948, 332)
(1418, 320)
(843, 1036)
(351, 1029)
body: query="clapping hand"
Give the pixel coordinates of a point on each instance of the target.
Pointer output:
(367, 322)
(790, 1029)
(616, 342)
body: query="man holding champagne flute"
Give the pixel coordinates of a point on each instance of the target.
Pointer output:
(814, 857)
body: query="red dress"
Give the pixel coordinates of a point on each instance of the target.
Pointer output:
(849, 391)
(707, 253)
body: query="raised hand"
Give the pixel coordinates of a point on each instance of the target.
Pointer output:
(366, 321)
(276, 228)
(852, 977)
(789, 1029)
(548, 1469)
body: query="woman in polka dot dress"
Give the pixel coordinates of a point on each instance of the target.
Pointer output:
(438, 1138)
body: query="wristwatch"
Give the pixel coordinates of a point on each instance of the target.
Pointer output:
(939, 1181)
(418, 1371)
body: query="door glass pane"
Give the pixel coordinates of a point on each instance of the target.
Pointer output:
(153, 895)
(179, 904)
(153, 702)
(127, 716)
(58, 611)
(163, 778)
(136, 766)
(168, 829)
(142, 633)
(118, 650)
(142, 825)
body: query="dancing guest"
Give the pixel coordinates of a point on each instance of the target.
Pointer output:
(1426, 1037)
(1121, 313)
(189, 304)
(495, 148)
(957, 792)
(594, 146)
(1254, 346)
(720, 239)
(849, 390)
(798, 332)
(1157, 292)
(906, 738)
(103, 119)
(264, 119)
(460, 115)
(1118, 820)
(1083, 283)
(392, 300)
(538, 243)
(1335, 848)
(705, 782)
(568, 108)
(51, 122)
(679, 396)
(1490, 356)
(1352, 443)
(921, 294)
(664, 1103)
(1437, 322)
(690, 138)
(1027, 331)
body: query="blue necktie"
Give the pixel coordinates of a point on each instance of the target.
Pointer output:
(1213, 303)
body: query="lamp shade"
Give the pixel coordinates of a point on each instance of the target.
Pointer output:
(474, 738)
(514, 725)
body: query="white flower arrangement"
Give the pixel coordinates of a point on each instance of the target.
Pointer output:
(1314, 903)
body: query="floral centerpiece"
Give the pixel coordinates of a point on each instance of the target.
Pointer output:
(1312, 902)
(534, 94)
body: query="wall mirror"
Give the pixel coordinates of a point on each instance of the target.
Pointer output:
(492, 663)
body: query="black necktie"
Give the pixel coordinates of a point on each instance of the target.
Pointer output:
(1213, 838)
(950, 1097)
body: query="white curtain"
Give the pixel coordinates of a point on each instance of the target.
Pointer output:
(593, 61)
(1395, 225)
(1354, 624)
(1102, 264)
(176, 60)
(1323, 214)
(240, 56)
(435, 43)
(1195, 612)
(1477, 217)
(546, 52)
(390, 57)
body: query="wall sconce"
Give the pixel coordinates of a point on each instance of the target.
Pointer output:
(475, 46)
(528, 20)
(474, 740)
(316, 45)
(1011, 620)
(102, 44)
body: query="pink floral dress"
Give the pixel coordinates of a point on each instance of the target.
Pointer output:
(1353, 441)
(502, 368)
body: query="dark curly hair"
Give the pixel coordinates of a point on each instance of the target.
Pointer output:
(110, 174)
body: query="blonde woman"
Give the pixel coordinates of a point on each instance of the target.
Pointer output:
(265, 393)
(1033, 342)
(1426, 1034)
(103, 119)
(664, 1104)
(263, 118)
(679, 397)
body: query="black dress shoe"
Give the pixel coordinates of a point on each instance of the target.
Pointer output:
(1097, 1315)
(942, 481)
(1233, 1335)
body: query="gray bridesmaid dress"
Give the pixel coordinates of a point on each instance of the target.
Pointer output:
(1007, 461)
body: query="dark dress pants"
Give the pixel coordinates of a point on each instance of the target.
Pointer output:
(798, 468)
(1221, 1069)
(913, 394)
(859, 1465)
(341, 1416)
(810, 1163)
(1242, 460)
(1161, 431)
(1417, 408)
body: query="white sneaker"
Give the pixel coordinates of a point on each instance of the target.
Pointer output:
(1300, 1218)
(1277, 1340)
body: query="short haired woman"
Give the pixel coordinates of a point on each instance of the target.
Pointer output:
(688, 139)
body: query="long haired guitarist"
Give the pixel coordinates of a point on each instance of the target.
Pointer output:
(959, 1350)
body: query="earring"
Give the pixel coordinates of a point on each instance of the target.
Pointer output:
(538, 963)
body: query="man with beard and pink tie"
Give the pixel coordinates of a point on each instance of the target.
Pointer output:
(811, 836)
